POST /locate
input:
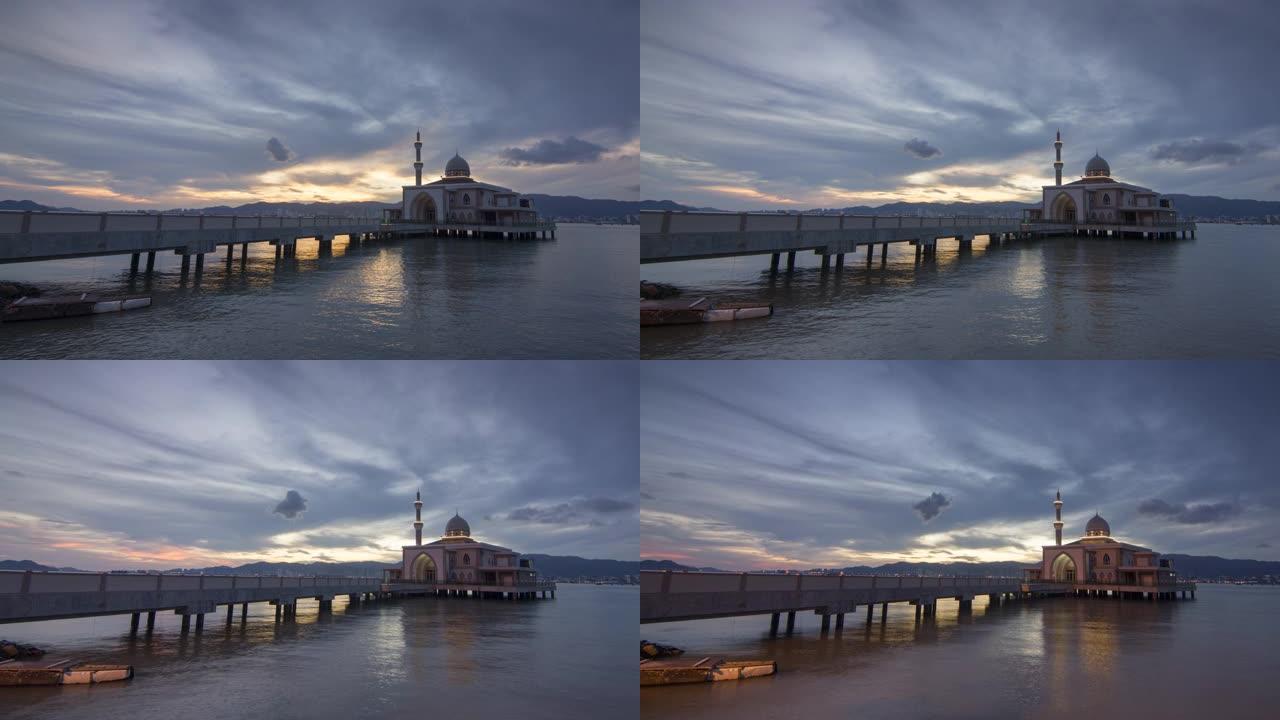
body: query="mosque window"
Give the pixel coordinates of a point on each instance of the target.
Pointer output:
(466, 558)
(1106, 559)
(1106, 199)
(466, 199)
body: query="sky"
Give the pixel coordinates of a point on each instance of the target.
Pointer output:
(161, 104)
(140, 464)
(836, 104)
(797, 465)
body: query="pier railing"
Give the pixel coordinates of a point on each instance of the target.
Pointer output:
(681, 221)
(23, 222)
(23, 582)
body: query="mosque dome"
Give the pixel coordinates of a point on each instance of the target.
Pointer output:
(1097, 167)
(1097, 527)
(457, 527)
(457, 167)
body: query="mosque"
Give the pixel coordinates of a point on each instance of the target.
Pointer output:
(1097, 198)
(458, 199)
(457, 559)
(1099, 559)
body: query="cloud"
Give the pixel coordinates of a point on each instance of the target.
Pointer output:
(292, 505)
(1197, 150)
(632, 188)
(278, 151)
(1264, 545)
(1188, 514)
(920, 148)
(553, 152)
(569, 512)
(930, 507)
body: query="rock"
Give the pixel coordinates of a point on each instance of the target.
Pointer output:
(14, 290)
(651, 651)
(9, 650)
(657, 291)
(32, 651)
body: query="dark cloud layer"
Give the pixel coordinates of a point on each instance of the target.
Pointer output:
(192, 459)
(766, 464)
(552, 152)
(742, 104)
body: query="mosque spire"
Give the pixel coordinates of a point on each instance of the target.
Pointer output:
(417, 518)
(417, 164)
(1057, 522)
(1057, 163)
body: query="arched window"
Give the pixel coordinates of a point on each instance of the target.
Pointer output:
(1106, 559)
(1106, 198)
(466, 198)
(466, 558)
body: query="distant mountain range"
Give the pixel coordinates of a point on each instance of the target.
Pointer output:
(1207, 567)
(551, 566)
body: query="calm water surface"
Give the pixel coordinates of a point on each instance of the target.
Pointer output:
(1215, 296)
(572, 657)
(417, 298)
(1213, 657)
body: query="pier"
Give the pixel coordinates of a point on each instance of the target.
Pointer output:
(667, 596)
(40, 236)
(667, 236)
(32, 596)
(526, 591)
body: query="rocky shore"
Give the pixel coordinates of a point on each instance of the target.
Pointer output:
(15, 290)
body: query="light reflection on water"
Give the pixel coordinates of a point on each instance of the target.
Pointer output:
(416, 298)
(1055, 658)
(561, 658)
(1057, 298)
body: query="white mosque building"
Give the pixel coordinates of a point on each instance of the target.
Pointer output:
(458, 199)
(459, 564)
(1097, 198)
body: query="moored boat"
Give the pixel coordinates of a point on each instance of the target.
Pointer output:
(679, 671)
(44, 308)
(61, 672)
(699, 310)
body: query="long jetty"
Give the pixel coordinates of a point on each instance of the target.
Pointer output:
(27, 596)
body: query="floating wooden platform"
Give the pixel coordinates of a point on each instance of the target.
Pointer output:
(676, 671)
(43, 308)
(60, 672)
(699, 310)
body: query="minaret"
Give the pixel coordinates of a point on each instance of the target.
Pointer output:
(417, 176)
(1057, 174)
(417, 501)
(1057, 501)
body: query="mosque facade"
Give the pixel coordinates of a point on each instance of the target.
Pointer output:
(1098, 198)
(459, 559)
(456, 198)
(1098, 558)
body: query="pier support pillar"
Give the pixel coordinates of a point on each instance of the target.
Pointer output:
(884, 611)
(199, 263)
(186, 623)
(231, 608)
(791, 261)
(884, 253)
(186, 264)
(773, 623)
(826, 623)
(966, 606)
(244, 252)
(840, 261)
(839, 622)
(151, 261)
(791, 621)
(277, 612)
(826, 262)
(871, 253)
(244, 611)
(133, 622)
(151, 620)
(231, 252)
(279, 250)
(200, 622)
(773, 262)
(918, 249)
(133, 262)
(917, 612)
(871, 608)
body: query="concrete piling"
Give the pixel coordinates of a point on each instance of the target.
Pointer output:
(199, 263)
(151, 261)
(773, 623)
(186, 263)
(884, 611)
(133, 622)
(791, 261)
(773, 262)
(826, 262)
(791, 621)
(200, 622)
(133, 262)
(826, 622)
(839, 261)
(839, 622)
(230, 611)
(244, 612)
(186, 623)
(151, 620)
(871, 608)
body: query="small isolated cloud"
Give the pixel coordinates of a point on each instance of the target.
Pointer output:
(930, 507)
(920, 148)
(278, 151)
(1188, 514)
(292, 505)
(1264, 545)
(1197, 150)
(632, 188)
(554, 152)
